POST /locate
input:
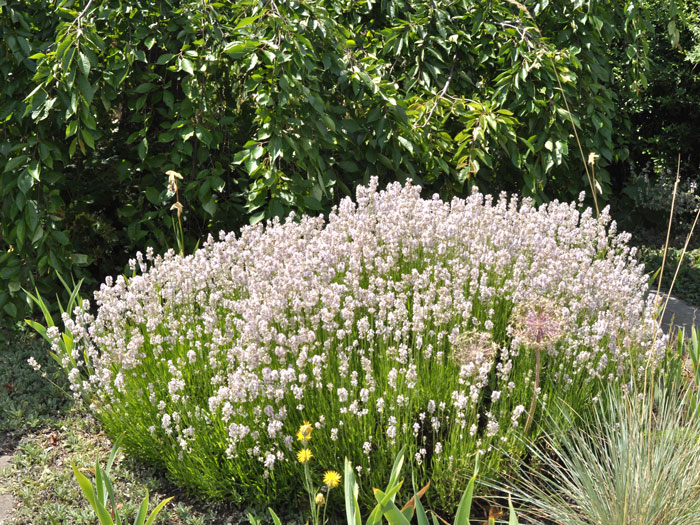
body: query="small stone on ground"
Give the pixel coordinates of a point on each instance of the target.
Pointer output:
(6, 505)
(6, 500)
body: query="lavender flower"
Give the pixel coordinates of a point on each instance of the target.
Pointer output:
(358, 322)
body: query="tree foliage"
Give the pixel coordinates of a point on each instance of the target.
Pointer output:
(666, 115)
(665, 124)
(285, 105)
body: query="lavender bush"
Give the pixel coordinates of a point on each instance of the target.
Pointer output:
(397, 321)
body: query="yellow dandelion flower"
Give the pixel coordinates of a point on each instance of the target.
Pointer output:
(320, 499)
(331, 479)
(304, 433)
(304, 455)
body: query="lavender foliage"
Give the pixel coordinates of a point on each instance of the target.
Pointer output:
(396, 320)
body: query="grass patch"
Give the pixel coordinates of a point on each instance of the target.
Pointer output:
(26, 401)
(40, 478)
(45, 434)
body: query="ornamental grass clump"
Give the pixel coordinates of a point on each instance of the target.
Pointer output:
(633, 463)
(443, 326)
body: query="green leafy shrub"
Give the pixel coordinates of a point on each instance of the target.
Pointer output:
(664, 117)
(687, 285)
(644, 205)
(267, 108)
(443, 327)
(692, 21)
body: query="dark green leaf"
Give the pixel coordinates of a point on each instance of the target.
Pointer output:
(11, 310)
(210, 206)
(245, 22)
(168, 99)
(164, 58)
(349, 166)
(142, 148)
(88, 138)
(312, 203)
(15, 162)
(186, 65)
(20, 232)
(145, 87)
(84, 64)
(31, 216)
(153, 196)
(80, 259)
(86, 90)
(60, 237)
(25, 182)
(34, 169)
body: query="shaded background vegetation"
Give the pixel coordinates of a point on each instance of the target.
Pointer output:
(279, 106)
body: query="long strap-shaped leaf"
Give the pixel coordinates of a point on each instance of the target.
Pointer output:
(113, 454)
(275, 518)
(465, 504)
(391, 512)
(143, 509)
(375, 517)
(421, 515)
(156, 511)
(101, 493)
(74, 291)
(85, 485)
(107, 482)
(42, 306)
(513, 518)
(110, 492)
(89, 491)
(352, 507)
(396, 471)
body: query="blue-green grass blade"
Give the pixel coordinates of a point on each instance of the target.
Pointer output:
(85, 486)
(275, 518)
(100, 485)
(421, 516)
(110, 492)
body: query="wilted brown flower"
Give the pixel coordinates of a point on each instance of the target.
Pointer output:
(177, 206)
(173, 177)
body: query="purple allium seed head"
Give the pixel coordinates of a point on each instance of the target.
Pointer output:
(538, 324)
